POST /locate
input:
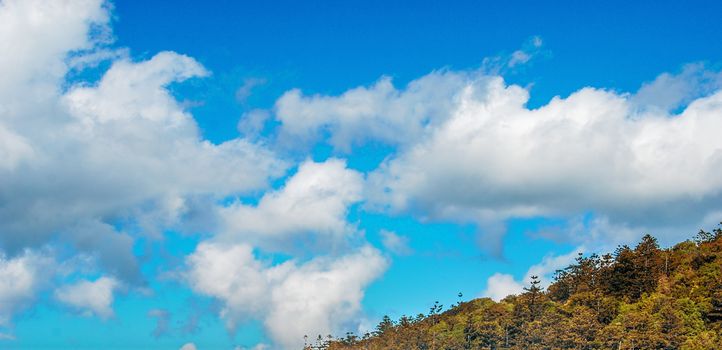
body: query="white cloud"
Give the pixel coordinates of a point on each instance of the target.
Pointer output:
(293, 299)
(90, 297)
(77, 158)
(126, 149)
(395, 243)
(470, 150)
(20, 279)
(312, 205)
(34, 47)
(324, 293)
(320, 295)
(379, 112)
(230, 273)
(500, 285)
(87, 167)
(136, 91)
(32, 63)
(494, 159)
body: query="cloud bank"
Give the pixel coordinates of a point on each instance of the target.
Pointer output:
(87, 167)
(469, 149)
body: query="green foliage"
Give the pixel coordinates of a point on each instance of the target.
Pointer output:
(636, 298)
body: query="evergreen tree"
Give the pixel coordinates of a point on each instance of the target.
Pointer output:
(384, 326)
(533, 295)
(641, 298)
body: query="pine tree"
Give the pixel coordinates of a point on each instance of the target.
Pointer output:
(384, 326)
(533, 293)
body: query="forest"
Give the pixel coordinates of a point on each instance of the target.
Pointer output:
(638, 298)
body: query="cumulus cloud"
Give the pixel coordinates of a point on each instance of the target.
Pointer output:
(311, 206)
(91, 298)
(89, 166)
(379, 112)
(292, 298)
(78, 158)
(383, 112)
(494, 159)
(34, 49)
(469, 149)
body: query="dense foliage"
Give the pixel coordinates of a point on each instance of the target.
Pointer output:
(636, 298)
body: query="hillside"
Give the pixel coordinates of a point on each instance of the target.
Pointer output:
(634, 298)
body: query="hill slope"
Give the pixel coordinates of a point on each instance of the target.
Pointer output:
(635, 298)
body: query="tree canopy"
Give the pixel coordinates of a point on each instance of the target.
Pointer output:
(637, 298)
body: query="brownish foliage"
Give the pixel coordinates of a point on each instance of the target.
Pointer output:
(637, 298)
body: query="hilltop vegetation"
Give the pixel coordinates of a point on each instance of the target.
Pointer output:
(635, 298)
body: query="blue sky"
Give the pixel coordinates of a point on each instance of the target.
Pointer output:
(236, 175)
